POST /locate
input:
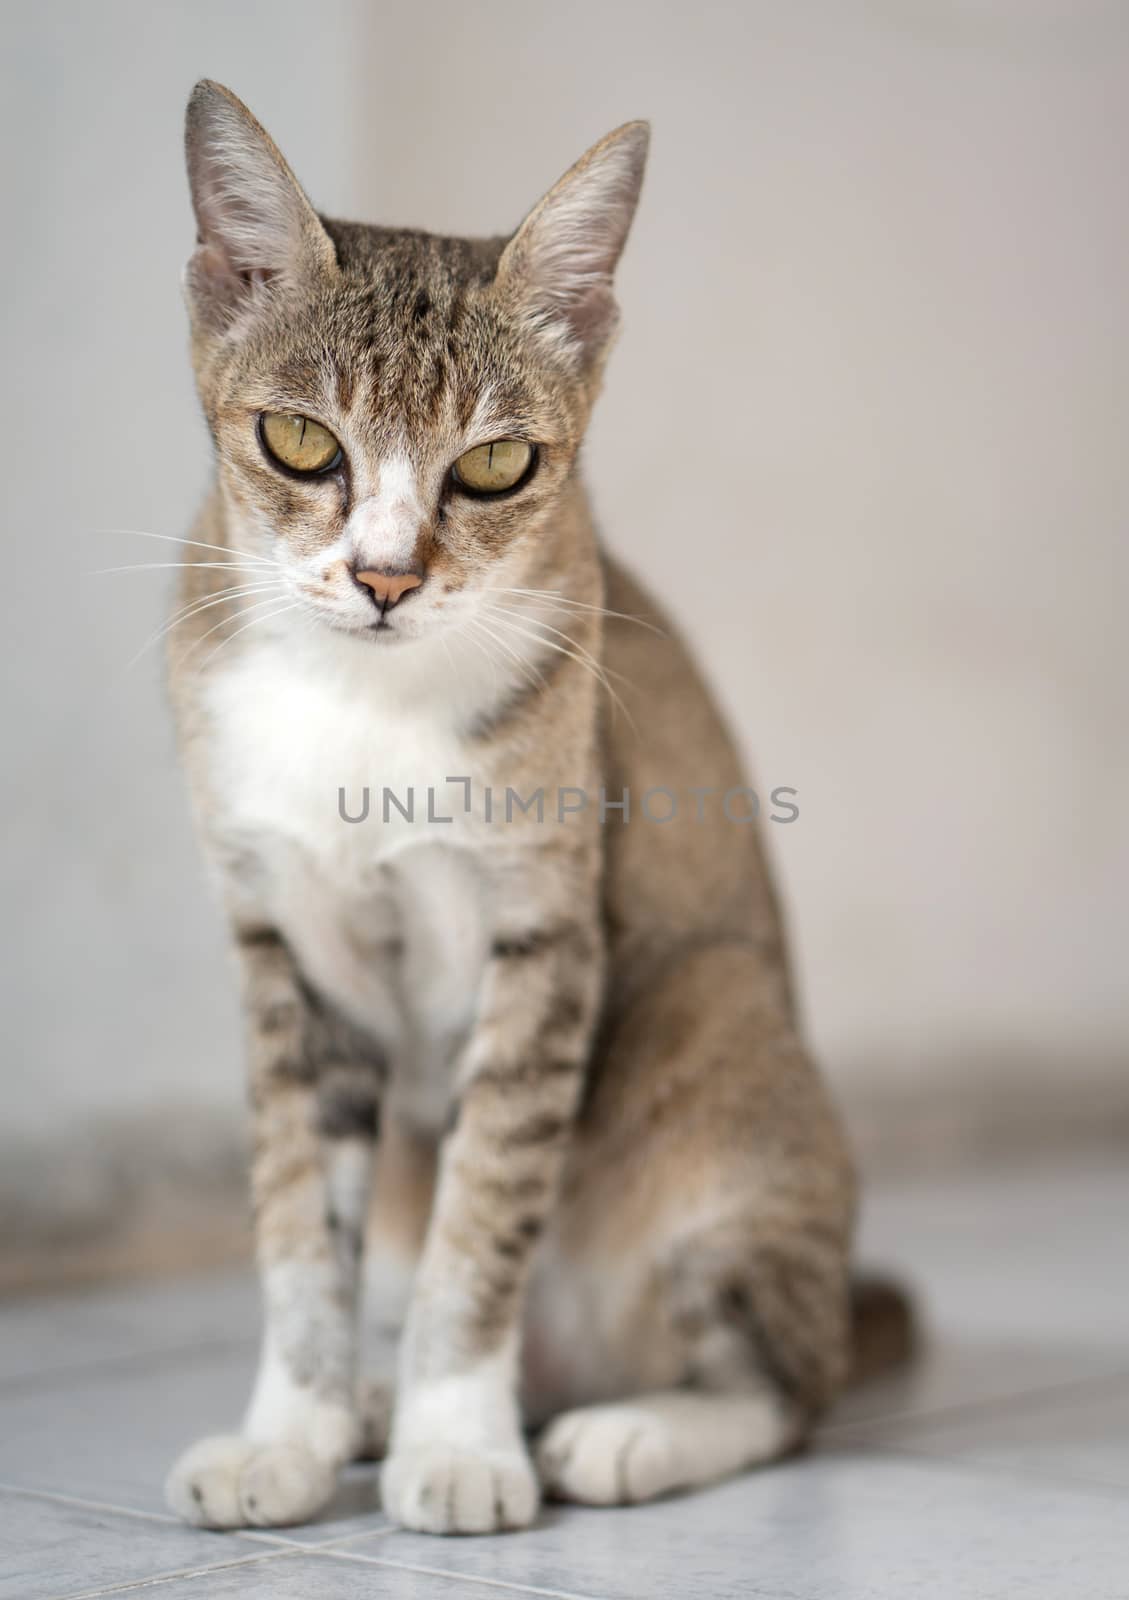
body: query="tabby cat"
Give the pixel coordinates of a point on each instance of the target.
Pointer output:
(421, 709)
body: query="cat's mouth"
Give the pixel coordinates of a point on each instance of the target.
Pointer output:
(381, 630)
(385, 631)
(386, 624)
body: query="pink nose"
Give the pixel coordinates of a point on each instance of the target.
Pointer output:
(389, 587)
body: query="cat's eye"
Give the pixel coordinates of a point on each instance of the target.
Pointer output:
(492, 468)
(299, 443)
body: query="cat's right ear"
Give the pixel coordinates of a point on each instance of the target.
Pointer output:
(559, 264)
(254, 225)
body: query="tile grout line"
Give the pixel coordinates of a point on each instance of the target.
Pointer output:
(973, 1466)
(168, 1520)
(57, 1497)
(940, 1416)
(274, 1545)
(335, 1539)
(156, 1579)
(389, 1564)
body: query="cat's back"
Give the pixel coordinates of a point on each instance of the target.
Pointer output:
(701, 874)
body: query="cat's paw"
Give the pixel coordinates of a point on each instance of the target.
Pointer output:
(231, 1482)
(608, 1456)
(286, 1413)
(441, 1489)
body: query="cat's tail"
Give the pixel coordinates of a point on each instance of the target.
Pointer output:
(885, 1329)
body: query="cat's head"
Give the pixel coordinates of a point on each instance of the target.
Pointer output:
(396, 415)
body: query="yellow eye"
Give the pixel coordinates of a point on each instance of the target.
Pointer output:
(299, 443)
(490, 468)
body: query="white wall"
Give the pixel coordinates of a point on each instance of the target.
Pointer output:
(117, 992)
(865, 429)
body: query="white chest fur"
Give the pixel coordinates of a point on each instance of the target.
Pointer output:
(387, 916)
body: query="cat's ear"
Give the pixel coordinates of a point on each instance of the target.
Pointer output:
(254, 224)
(560, 262)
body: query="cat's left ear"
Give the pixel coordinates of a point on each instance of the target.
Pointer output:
(560, 262)
(254, 223)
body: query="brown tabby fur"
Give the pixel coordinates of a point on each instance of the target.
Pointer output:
(639, 1171)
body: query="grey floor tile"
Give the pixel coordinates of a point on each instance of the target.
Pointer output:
(319, 1577)
(62, 1333)
(848, 1526)
(993, 1469)
(48, 1549)
(1011, 1272)
(1015, 1254)
(111, 1436)
(1078, 1434)
(956, 1372)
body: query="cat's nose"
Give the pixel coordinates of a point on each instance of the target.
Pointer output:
(389, 587)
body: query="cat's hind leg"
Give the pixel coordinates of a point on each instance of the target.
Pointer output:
(640, 1448)
(691, 1315)
(314, 1103)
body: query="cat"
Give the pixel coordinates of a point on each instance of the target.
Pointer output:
(613, 1199)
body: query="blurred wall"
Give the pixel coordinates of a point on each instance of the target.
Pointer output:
(865, 431)
(121, 1059)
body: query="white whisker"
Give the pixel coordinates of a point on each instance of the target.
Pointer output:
(558, 598)
(584, 658)
(165, 566)
(270, 616)
(172, 538)
(535, 677)
(243, 611)
(202, 604)
(527, 616)
(471, 638)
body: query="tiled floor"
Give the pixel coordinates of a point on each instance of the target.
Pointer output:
(999, 1470)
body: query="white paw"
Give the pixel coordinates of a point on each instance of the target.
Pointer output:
(439, 1489)
(609, 1456)
(283, 1412)
(231, 1482)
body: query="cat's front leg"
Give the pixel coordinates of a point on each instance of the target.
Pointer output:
(314, 1110)
(458, 1461)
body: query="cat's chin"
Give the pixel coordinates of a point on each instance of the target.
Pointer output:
(382, 634)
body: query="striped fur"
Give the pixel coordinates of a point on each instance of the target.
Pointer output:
(608, 1179)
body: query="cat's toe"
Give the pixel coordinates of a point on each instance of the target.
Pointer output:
(230, 1482)
(203, 1486)
(437, 1489)
(607, 1455)
(284, 1483)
